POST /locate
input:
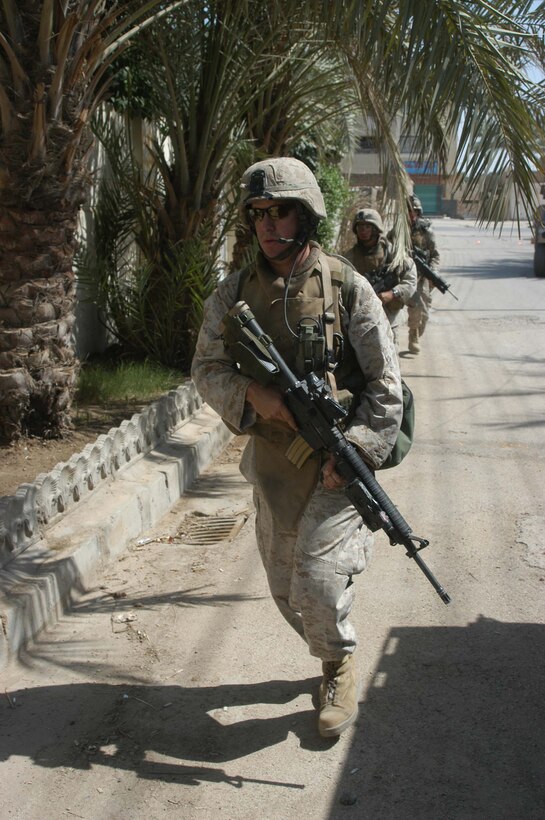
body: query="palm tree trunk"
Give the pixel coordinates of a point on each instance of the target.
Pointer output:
(38, 368)
(53, 59)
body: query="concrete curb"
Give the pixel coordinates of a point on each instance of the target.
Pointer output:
(41, 582)
(47, 499)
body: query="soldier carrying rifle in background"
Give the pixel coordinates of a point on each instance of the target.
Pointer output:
(423, 241)
(372, 256)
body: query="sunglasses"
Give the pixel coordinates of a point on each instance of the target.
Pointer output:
(275, 212)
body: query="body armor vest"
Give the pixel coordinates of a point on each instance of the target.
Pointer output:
(370, 264)
(287, 488)
(265, 296)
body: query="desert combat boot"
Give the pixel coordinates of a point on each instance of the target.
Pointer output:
(338, 697)
(414, 335)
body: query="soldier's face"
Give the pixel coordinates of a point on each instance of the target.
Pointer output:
(282, 222)
(365, 231)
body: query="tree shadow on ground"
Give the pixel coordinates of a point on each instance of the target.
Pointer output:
(452, 727)
(491, 269)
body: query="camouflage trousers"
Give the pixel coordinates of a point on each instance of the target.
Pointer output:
(419, 306)
(310, 568)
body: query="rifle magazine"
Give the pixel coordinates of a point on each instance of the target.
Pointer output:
(298, 452)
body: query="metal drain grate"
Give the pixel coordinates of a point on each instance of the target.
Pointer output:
(211, 529)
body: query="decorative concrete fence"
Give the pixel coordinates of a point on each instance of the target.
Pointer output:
(35, 506)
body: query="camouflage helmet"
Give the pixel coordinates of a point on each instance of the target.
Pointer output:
(283, 178)
(370, 216)
(415, 204)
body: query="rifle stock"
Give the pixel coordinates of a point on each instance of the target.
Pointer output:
(318, 415)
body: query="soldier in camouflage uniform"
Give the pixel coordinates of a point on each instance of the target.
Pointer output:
(372, 256)
(423, 238)
(311, 539)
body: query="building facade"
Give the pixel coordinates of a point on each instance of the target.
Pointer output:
(429, 182)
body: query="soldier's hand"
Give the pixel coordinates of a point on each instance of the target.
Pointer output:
(386, 296)
(330, 477)
(269, 404)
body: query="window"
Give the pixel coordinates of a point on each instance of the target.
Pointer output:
(407, 145)
(366, 145)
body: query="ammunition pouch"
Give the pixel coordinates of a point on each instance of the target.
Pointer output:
(311, 349)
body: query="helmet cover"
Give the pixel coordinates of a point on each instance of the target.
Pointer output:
(283, 178)
(371, 217)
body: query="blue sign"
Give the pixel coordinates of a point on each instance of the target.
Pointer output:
(414, 167)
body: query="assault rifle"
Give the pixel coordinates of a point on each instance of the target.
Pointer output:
(433, 277)
(317, 415)
(384, 281)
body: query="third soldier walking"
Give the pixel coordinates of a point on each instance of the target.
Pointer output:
(423, 239)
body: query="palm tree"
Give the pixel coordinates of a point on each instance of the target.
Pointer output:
(54, 56)
(225, 83)
(230, 76)
(267, 74)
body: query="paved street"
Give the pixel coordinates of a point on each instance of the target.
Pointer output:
(174, 688)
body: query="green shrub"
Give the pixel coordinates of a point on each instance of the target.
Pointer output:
(337, 196)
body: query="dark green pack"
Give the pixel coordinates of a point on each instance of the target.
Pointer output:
(404, 438)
